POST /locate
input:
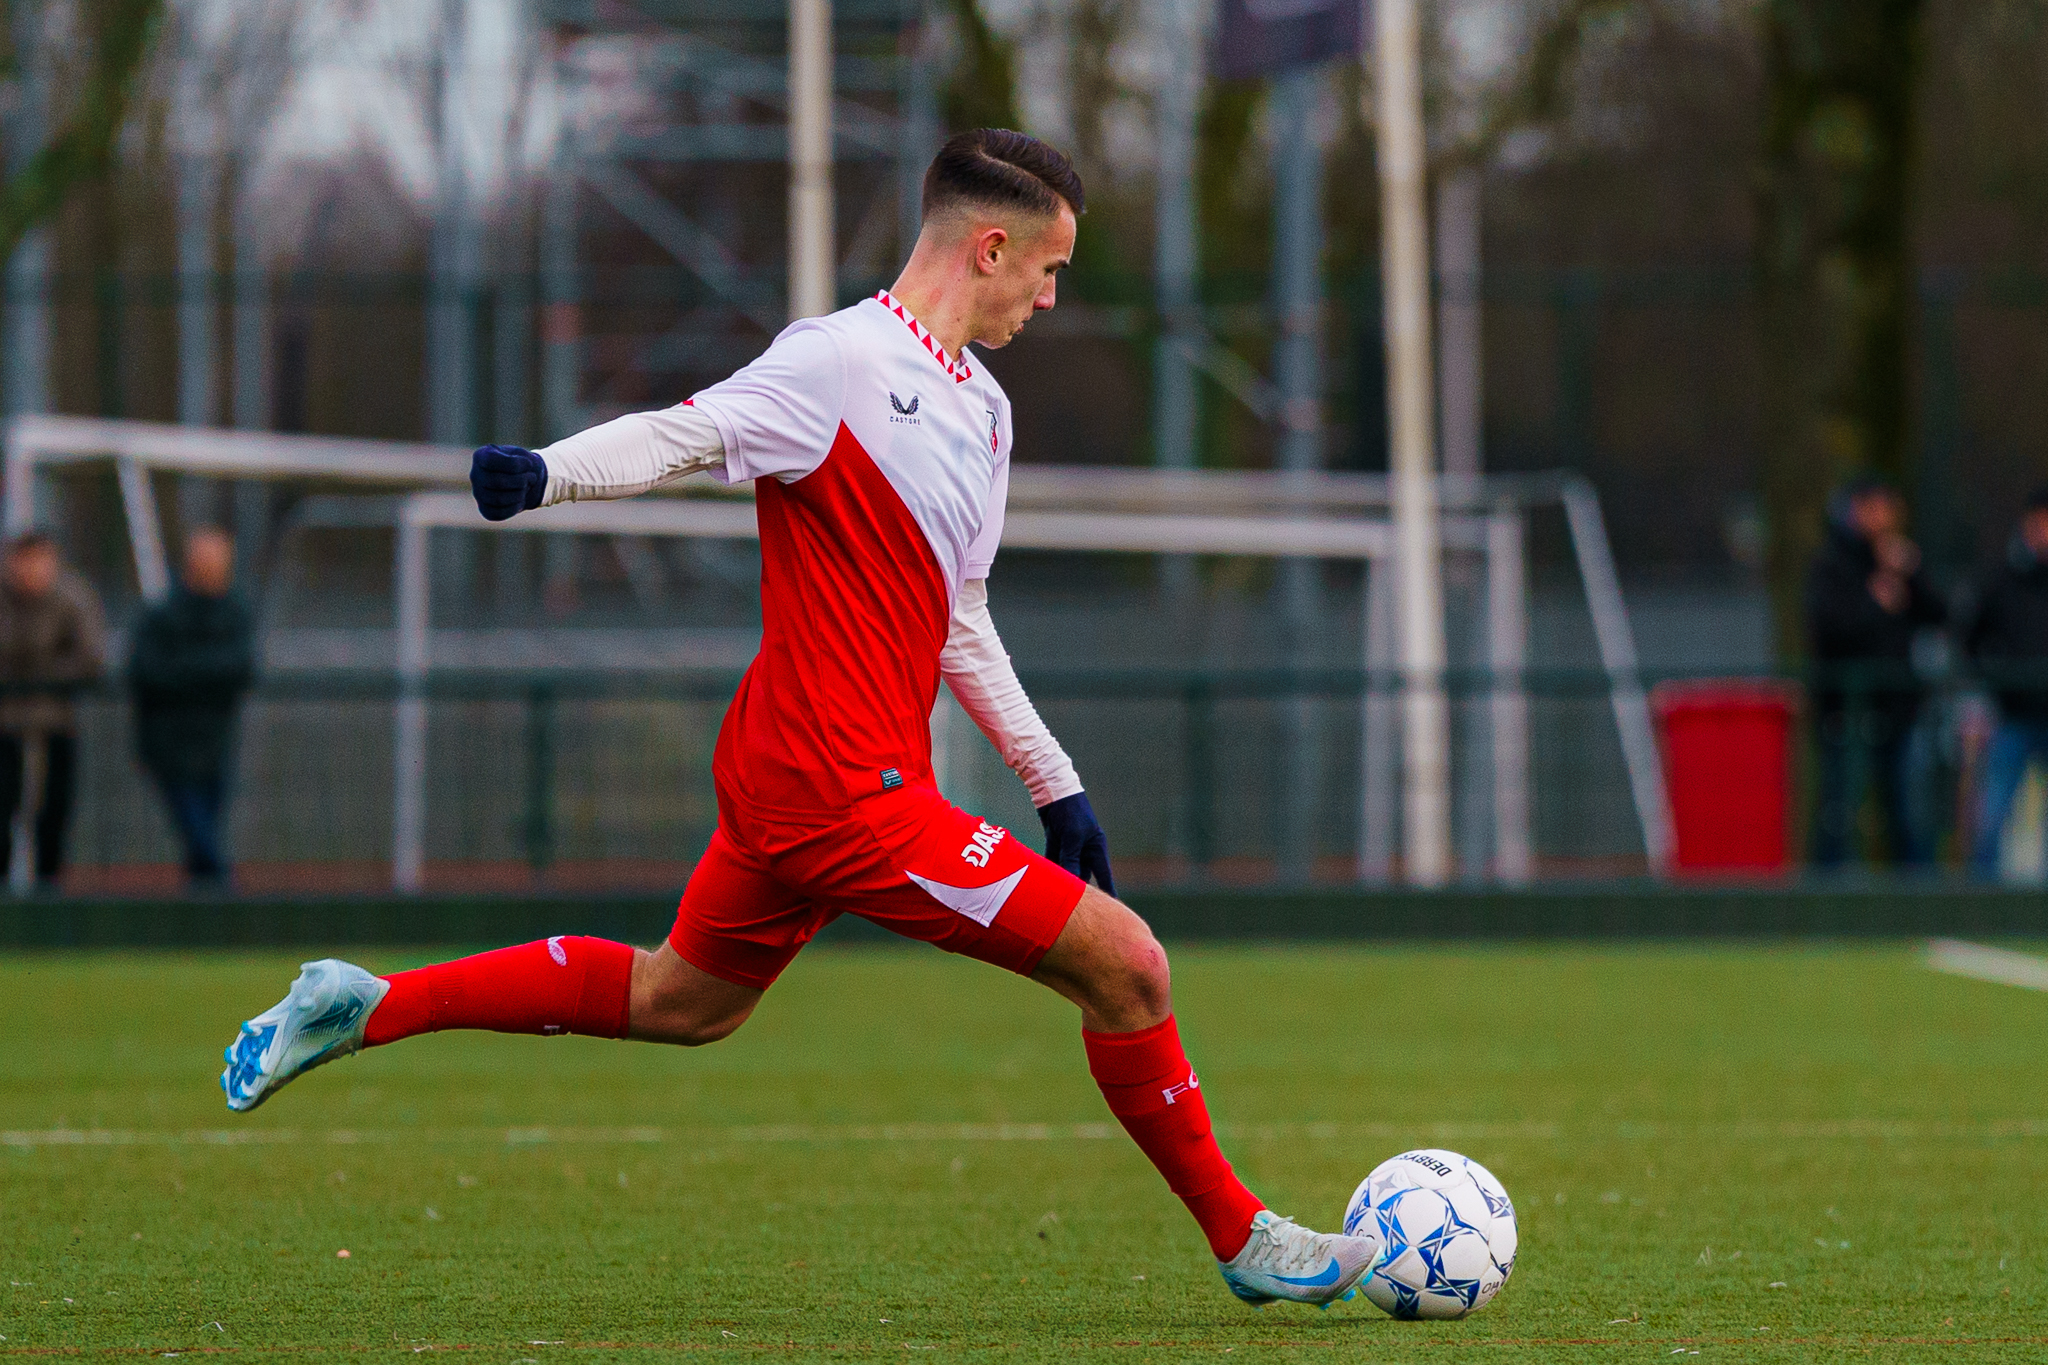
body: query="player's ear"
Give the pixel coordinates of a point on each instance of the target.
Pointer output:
(989, 245)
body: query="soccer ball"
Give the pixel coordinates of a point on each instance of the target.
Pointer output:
(1449, 1232)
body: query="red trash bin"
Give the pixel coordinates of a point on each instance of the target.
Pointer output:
(1728, 769)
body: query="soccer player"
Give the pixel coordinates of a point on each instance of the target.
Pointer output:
(880, 454)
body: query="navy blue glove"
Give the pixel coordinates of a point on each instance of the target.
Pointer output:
(1074, 839)
(506, 480)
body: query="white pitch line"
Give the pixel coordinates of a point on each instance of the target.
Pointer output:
(747, 1134)
(1441, 1134)
(1981, 963)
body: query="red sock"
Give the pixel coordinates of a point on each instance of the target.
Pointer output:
(1153, 1092)
(564, 984)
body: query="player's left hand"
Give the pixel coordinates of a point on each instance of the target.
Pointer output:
(1074, 839)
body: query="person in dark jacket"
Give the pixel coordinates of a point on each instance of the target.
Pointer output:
(2008, 641)
(1866, 598)
(193, 660)
(52, 643)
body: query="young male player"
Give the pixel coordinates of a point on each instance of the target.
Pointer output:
(880, 454)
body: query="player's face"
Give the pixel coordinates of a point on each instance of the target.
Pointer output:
(1025, 278)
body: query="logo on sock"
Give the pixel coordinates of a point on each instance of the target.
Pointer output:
(1172, 1090)
(557, 951)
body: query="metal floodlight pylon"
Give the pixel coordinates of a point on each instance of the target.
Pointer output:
(716, 70)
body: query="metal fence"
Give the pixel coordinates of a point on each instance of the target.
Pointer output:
(574, 781)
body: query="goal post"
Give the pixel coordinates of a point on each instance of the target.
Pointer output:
(1494, 531)
(1336, 516)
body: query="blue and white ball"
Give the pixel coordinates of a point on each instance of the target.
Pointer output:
(1449, 1230)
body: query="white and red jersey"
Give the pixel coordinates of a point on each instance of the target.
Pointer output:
(881, 471)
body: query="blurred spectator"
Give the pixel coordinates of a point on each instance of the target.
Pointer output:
(2008, 639)
(194, 659)
(52, 641)
(1866, 598)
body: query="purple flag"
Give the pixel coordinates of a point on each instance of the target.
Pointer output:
(1262, 37)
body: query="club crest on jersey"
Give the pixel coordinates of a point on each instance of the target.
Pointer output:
(991, 429)
(905, 412)
(983, 844)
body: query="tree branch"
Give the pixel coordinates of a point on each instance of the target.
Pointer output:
(84, 147)
(1540, 93)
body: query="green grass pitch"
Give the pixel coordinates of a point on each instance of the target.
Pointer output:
(1755, 1154)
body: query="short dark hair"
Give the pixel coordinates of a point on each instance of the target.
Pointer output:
(2037, 501)
(31, 540)
(996, 168)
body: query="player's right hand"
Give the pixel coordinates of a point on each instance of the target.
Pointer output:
(1074, 839)
(506, 480)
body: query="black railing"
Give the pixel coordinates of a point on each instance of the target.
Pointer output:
(560, 771)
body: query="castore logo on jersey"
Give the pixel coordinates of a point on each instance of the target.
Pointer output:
(904, 413)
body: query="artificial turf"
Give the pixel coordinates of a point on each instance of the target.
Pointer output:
(1756, 1154)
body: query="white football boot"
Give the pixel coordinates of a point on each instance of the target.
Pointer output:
(1285, 1261)
(322, 1018)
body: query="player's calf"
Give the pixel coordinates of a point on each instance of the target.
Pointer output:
(674, 1001)
(565, 984)
(1107, 962)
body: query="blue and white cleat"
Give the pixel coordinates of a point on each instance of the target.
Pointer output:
(322, 1018)
(1286, 1262)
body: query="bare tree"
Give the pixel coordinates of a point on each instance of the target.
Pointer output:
(1832, 255)
(1834, 263)
(85, 118)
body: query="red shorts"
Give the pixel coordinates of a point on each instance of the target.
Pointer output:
(908, 860)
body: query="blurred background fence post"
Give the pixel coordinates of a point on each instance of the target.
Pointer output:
(26, 383)
(1411, 442)
(1297, 373)
(1199, 765)
(813, 274)
(1507, 641)
(1176, 268)
(538, 826)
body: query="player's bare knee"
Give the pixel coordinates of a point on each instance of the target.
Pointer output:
(1107, 962)
(1147, 982)
(1133, 986)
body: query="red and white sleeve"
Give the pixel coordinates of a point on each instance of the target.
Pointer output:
(978, 670)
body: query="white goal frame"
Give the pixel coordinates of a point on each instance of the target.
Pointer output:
(1066, 508)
